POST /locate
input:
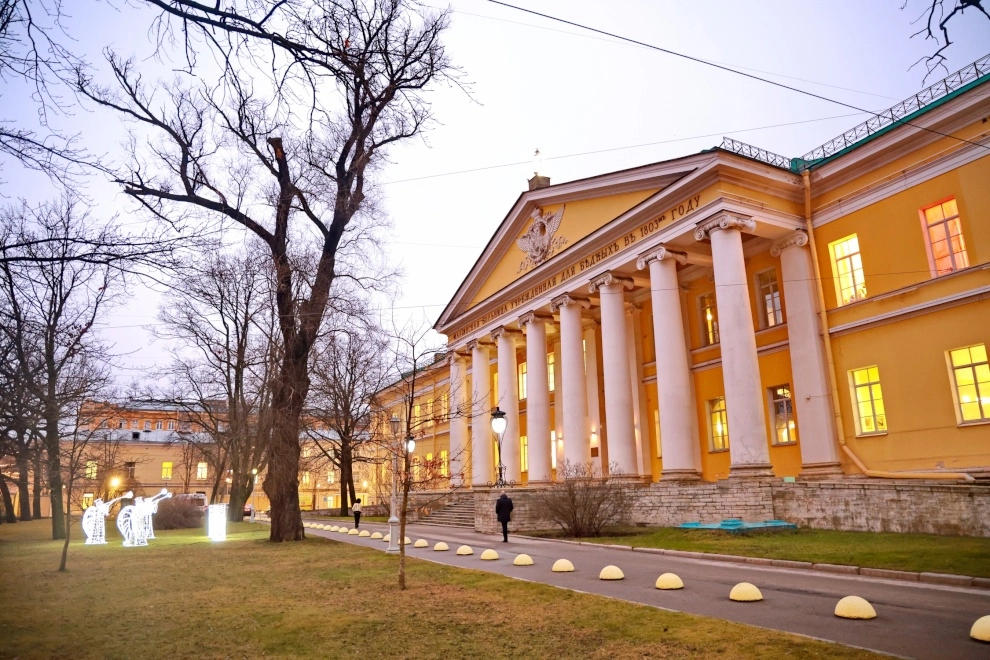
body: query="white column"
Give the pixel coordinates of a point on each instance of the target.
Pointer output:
(809, 378)
(507, 398)
(675, 389)
(597, 435)
(615, 363)
(459, 451)
(744, 397)
(537, 398)
(577, 448)
(634, 343)
(481, 429)
(558, 406)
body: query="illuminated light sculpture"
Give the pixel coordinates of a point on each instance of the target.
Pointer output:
(134, 521)
(94, 521)
(216, 522)
(149, 507)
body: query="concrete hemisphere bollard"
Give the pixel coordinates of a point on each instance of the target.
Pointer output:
(376, 535)
(522, 560)
(854, 607)
(406, 541)
(562, 566)
(981, 629)
(465, 550)
(744, 592)
(354, 532)
(334, 528)
(669, 581)
(421, 543)
(441, 547)
(489, 555)
(342, 530)
(611, 572)
(387, 538)
(364, 533)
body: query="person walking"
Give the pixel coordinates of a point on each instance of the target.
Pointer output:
(356, 510)
(503, 511)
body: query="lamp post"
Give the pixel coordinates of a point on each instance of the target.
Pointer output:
(254, 492)
(393, 520)
(498, 427)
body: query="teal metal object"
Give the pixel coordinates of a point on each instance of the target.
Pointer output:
(737, 526)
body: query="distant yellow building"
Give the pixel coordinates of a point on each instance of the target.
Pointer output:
(735, 313)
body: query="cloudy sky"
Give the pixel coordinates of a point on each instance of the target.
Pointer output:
(590, 103)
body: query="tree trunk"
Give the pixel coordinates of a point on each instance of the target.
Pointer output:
(38, 472)
(282, 479)
(65, 546)
(238, 498)
(402, 528)
(24, 471)
(54, 475)
(8, 503)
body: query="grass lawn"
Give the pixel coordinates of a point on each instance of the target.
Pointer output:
(184, 597)
(903, 552)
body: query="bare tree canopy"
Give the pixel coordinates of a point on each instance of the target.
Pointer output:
(310, 95)
(935, 21)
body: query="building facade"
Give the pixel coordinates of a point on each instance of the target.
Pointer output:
(735, 313)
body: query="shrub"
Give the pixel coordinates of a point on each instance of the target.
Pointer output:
(583, 501)
(178, 514)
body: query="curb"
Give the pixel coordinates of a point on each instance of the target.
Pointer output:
(841, 569)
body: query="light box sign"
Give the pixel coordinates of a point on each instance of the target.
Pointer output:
(216, 522)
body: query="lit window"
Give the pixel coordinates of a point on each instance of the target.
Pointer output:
(129, 469)
(709, 319)
(550, 362)
(656, 426)
(171, 425)
(87, 500)
(847, 267)
(972, 376)
(305, 478)
(201, 471)
(522, 381)
(719, 439)
(417, 413)
(166, 469)
(768, 293)
(444, 464)
(91, 469)
(946, 247)
(429, 412)
(524, 453)
(870, 415)
(553, 450)
(782, 415)
(429, 464)
(444, 406)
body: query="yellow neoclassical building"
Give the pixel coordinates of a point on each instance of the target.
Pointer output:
(735, 313)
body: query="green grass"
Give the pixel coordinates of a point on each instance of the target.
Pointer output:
(184, 597)
(903, 552)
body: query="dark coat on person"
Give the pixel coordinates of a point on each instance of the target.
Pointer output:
(503, 507)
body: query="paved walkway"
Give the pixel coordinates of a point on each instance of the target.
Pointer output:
(914, 620)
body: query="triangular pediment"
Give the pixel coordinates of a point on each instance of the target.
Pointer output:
(545, 223)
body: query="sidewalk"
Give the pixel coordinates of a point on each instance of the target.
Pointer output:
(922, 619)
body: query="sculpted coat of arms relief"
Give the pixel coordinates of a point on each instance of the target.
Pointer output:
(539, 242)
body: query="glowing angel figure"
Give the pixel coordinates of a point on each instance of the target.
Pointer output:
(134, 521)
(94, 521)
(539, 242)
(149, 507)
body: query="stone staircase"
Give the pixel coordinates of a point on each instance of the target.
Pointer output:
(458, 514)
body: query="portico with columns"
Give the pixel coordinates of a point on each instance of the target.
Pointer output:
(644, 320)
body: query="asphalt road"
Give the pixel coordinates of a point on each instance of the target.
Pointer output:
(914, 620)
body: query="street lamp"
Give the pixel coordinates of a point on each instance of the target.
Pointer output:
(498, 427)
(393, 542)
(254, 492)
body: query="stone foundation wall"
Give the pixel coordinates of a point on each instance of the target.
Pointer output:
(886, 506)
(873, 505)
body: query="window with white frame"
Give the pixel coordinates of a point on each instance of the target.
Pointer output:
(847, 270)
(551, 360)
(171, 425)
(305, 478)
(201, 471)
(91, 469)
(782, 415)
(868, 397)
(522, 369)
(166, 470)
(768, 294)
(718, 422)
(524, 453)
(709, 319)
(129, 468)
(87, 500)
(158, 425)
(971, 375)
(944, 238)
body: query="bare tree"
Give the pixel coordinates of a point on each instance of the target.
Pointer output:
(312, 94)
(583, 501)
(350, 366)
(51, 307)
(220, 315)
(935, 27)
